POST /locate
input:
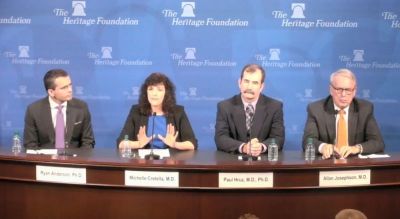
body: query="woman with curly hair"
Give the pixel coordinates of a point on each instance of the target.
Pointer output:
(157, 103)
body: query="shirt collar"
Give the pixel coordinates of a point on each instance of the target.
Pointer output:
(346, 109)
(53, 104)
(253, 103)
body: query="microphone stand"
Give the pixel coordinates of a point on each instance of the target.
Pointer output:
(152, 156)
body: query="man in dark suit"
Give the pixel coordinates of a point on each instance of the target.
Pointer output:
(233, 133)
(41, 116)
(362, 134)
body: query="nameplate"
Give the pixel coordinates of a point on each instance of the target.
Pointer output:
(152, 179)
(344, 178)
(245, 180)
(61, 174)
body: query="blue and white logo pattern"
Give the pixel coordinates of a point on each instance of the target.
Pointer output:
(22, 56)
(189, 59)
(357, 61)
(80, 17)
(393, 17)
(273, 60)
(78, 8)
(188, 9)
(23, 51)
(298, 10)
(188, 18)
(105, 58)
(299, 20)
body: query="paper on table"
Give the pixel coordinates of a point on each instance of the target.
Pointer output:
(373, 156)
(161, 152)
(42, 151)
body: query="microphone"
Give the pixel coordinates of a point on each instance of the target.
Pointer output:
(152, 156)
(336, 112)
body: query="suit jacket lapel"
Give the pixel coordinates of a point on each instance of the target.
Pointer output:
(47, 118)
(71, 114)
(259, 116)
(239, 117)
(331, 126)
(352, 124)
(330, 118)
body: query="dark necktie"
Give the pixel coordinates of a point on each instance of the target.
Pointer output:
(60, 128)
(249, 116)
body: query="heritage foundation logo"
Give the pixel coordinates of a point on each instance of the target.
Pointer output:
(23, 51)
(298, 19)
(22, 92)
(298, 10)
(78, 8)
(190, 53)
(274, 54)
(366, 94)
(15, 20)
(80, 93)
(80, 17)
(188, 16)
(188, 9)
(106, 52)
(273, 60)
(132, 94)
(189, 59)
(194, 94)
(393, 18)
(358, 55)
(358, 60)
(306, 96)
(105, 58)
(22, 56)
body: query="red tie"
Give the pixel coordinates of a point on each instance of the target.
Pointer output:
(342, 130)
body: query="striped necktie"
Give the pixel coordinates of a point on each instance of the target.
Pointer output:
(249, 116)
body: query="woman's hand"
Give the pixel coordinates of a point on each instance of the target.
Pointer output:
(142, 137)
(170, 137)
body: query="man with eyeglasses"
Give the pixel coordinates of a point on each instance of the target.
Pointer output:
(342, 125)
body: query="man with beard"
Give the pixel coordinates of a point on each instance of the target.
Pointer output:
(247, 121)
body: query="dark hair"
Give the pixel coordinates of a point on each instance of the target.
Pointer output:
(169, 101)
(253, 68)
(51, 76)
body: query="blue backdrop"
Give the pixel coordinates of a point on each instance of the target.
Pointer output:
(109, 47)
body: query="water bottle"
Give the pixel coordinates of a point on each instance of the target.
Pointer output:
(273, 150)
(310, 150)
(16, 146)
(126, 150)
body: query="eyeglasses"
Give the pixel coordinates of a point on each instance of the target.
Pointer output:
(347, 91)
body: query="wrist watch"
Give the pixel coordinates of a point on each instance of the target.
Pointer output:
(360, 148)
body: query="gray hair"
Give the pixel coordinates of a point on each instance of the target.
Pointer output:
(345, 73)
